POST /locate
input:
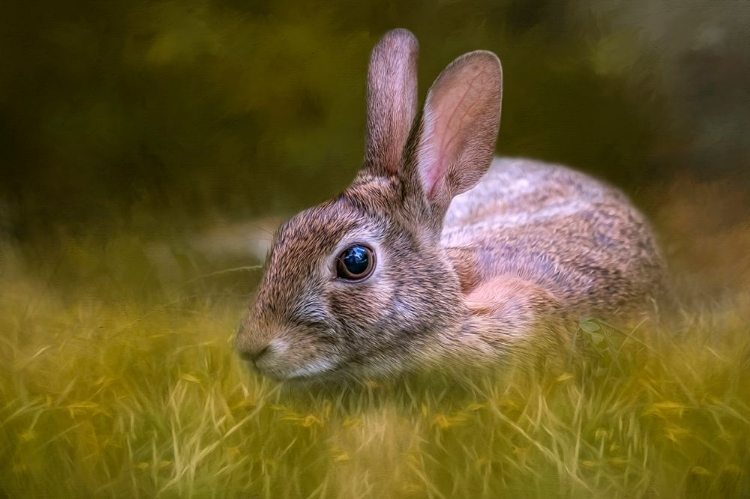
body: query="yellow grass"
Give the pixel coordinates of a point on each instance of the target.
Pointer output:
(116, 383)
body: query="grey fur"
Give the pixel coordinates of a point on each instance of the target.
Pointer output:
(467, 270)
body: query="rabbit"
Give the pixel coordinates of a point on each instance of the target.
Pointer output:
(438, 253)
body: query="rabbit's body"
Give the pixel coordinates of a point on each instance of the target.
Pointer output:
(431, 256)
(515, 219)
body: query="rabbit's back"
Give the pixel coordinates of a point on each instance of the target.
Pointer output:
(575, 236)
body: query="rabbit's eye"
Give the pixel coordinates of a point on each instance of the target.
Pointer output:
(355, 262)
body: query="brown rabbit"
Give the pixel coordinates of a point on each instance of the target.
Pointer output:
(437, 253)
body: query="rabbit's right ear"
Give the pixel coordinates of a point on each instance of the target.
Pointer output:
(391, 101)
(453, 146)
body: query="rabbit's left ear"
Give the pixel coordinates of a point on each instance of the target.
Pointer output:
(391, 101)
(455, 142)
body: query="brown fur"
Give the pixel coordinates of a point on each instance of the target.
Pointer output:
(464, 269)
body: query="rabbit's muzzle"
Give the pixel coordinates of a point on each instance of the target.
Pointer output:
(252, 356)
(281, 354)
(258, 350)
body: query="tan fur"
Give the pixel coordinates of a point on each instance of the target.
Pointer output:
(391, 101)
(466, 270)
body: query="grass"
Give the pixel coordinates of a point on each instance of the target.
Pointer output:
(115, 382)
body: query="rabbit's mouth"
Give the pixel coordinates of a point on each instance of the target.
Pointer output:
(314, 369)
(277, 363)
(311, 373)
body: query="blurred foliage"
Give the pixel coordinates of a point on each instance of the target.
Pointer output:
(169, 113)
(175, 113)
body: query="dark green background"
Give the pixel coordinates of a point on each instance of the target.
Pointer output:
(167, 114)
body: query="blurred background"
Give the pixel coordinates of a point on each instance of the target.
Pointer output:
(148, 149)
(175, 117)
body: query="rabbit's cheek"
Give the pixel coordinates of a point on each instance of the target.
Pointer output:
(361, 305)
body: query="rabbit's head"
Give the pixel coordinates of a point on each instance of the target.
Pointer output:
(360, 285)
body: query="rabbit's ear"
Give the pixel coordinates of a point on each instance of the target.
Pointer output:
(391, 101)
(454, 144)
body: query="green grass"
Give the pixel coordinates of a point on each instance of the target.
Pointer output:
(117, 383)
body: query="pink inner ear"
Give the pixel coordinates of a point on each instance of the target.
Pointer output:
(447, 111)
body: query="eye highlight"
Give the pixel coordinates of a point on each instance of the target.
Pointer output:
(355, 263)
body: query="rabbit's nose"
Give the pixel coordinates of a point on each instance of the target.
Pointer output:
(251, 345)
(252, 355)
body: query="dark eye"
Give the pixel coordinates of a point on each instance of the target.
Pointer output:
(355, 262)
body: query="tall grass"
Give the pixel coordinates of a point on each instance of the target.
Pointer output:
(115, 383)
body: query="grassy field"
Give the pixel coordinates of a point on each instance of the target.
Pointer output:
(115, 382)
